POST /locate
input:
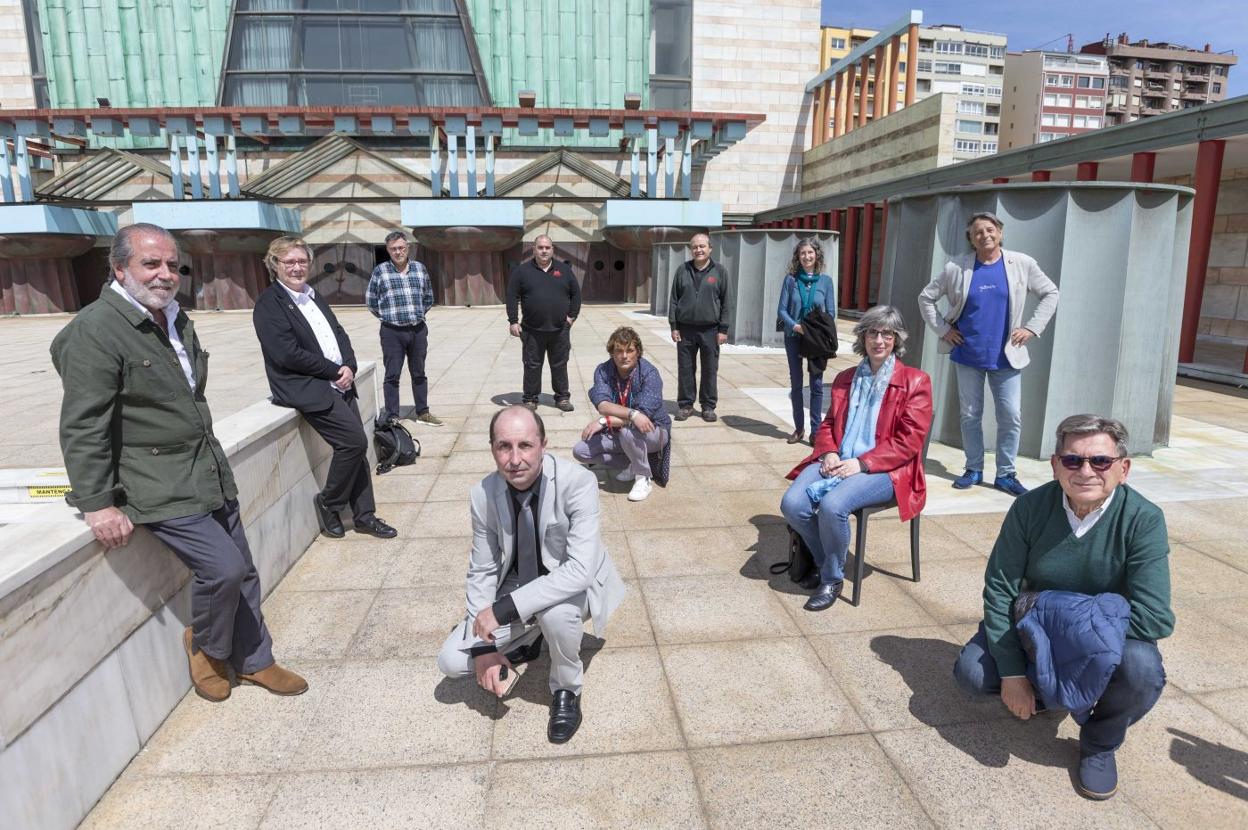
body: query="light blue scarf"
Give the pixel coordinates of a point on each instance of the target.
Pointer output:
(866, 396)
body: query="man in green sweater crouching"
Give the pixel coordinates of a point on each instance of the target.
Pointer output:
(1089, 533)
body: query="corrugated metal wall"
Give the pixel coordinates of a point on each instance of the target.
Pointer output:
(573, 53)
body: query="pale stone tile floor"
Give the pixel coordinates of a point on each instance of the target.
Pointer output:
(715, 700)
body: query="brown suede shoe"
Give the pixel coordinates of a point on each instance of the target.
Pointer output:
(209, 676)
(277, 680)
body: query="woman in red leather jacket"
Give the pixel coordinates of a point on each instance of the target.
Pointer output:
(868, 450)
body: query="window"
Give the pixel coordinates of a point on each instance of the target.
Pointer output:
(34, 45)
(1081, 121)
(996, 52)
(1117, 82)
(1137, 83)
(1216, 88)
(1081, 101)
(1135, 100)
(989, 147)
(1098, 83)
(973, 89)
(920, 85)
(971, 107)
(405, 53)
(963, 145)
(1094, 122)
(991, 128)
(1219, 70)
(994, 92)
(947, 68)
(1096, 102)
(964, 126)
(948, 47)
(836, 42)
(1050, 80)
(1065, 80)
(671, 54)
(924, 66)
(1065, 101)
(976, 50)
(1061, 120)
(1085, 82)
(1050, 100)
(1046, 137)
(924, 45)
(1046, 120)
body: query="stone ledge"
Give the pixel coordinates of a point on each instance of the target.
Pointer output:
(90, 643)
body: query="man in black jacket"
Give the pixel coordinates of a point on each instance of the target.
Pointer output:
(548, 297)
(698, 314)
(311, 368)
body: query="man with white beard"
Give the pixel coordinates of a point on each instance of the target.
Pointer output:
(136, 435)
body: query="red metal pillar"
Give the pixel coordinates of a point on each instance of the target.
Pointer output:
(1208, 174)
(822, 220)
(1001, 180)
(883, 231)
(848, 257)
(1086, 171)
(838, 219)
(1142, 165)
(864, 256)
(1041, 175)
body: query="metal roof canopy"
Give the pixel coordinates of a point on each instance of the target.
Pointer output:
(1173, 137)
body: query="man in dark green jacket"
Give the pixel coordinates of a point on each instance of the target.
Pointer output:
(1089, 533)
(136, 435)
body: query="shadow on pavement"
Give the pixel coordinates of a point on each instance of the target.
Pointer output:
(926, 666)
(753, 426)
(1216, 765)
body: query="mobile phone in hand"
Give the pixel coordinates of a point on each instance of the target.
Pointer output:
(507, 676)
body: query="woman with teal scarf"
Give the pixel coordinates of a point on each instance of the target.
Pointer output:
(869, 450)
(805, 287)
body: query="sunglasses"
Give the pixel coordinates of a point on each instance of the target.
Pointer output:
(1099, 463)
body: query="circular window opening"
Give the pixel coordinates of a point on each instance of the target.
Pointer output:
(618, 265)
(350, 268)
(599, 265)
(184, 270)
(329, 268)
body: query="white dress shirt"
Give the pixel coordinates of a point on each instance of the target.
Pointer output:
(1082, 526)
(171, 314)
(325, 337)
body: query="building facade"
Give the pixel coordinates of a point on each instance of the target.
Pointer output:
(1147, 79)
(836, 43)
(969, 66)
(1051, 95)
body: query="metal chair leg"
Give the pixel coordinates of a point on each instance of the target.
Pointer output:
(860, 555)
(914, 546)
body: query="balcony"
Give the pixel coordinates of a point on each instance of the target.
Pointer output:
(1196, 74)
(1156, 74)
(1195, 95)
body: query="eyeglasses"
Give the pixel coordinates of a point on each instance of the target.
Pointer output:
(1099, 463)
(293, 263)
(881, 334)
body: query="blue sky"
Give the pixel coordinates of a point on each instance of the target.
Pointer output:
(1223, 24)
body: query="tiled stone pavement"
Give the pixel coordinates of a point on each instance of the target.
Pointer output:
(715, 700)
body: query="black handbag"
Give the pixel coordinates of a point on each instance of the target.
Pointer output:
(800, 563)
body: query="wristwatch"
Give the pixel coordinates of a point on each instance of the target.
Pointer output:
(632, 413)
(602, 421)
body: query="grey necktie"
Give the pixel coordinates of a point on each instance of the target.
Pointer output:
(526, 539)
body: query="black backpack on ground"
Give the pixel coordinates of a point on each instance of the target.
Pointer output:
(395, 445)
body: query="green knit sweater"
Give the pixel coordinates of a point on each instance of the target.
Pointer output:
(1126, 552)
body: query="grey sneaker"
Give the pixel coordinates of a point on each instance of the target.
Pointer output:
(429, 418)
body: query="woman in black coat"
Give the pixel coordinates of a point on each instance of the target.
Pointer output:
(311, 368)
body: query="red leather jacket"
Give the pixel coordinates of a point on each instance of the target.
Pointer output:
(905, 418)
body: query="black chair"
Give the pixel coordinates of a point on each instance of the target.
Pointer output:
(860, 536)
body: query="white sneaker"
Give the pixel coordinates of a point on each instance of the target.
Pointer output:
(641, 489)
(625, 475)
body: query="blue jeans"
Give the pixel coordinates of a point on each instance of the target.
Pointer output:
(797, 381)
(1134, 688)
(1007, 395)
(827, 531)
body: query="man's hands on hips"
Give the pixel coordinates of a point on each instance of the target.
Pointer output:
(487, 666)
(1018, 696)
(514, 328)
(110, 526)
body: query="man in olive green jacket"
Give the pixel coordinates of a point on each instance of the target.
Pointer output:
(136, 435)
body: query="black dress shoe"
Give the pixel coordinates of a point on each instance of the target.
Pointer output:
(565, 717)
(526, 654)
(823, 598)
(328, 519)
(375, 527)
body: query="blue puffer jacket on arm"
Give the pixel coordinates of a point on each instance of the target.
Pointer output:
(1074, 644)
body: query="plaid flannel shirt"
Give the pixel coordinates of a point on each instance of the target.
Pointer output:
(401, 299)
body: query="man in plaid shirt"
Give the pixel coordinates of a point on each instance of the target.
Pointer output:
(399, 294)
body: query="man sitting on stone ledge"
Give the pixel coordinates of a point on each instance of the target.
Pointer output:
(136, 435)
(538, 569)
(1087, 532)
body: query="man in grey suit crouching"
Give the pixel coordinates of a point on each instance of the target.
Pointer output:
(537, 569)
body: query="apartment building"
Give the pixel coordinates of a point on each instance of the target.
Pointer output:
(1156, 78)
(835, 43)
(970, 66)
(1050, 95)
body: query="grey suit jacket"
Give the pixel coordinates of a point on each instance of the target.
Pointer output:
(1023, 275)
(572, 548)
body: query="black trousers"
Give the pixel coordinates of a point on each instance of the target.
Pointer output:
(536, 346)
(349, 481)
(410, 343)
(697, 341)
(226, 622)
